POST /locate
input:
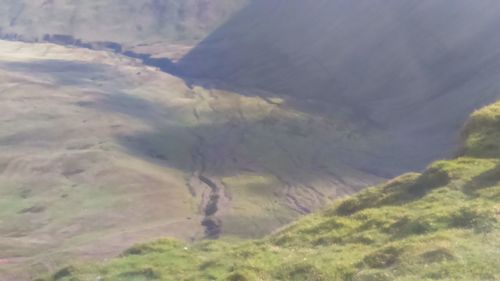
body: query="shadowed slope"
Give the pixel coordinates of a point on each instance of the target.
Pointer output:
(414, 68)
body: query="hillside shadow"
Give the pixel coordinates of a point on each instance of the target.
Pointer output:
(324, 58)
(286, 147)
(64, 72)
(485, 180)
(164, 64)
(201, 56)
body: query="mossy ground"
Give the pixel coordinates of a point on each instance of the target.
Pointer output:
(442, 224)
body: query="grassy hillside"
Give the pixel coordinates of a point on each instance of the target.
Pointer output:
(127, 22)
(442, 224)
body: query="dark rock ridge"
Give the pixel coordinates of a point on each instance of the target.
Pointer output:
(163, 63)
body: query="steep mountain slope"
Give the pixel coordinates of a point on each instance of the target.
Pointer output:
(443, 224)
(126, 22)
(413, 68)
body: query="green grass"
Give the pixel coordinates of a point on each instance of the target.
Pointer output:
(442, 224)
(483, 133)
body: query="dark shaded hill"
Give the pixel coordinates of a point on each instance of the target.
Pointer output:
(415, 69)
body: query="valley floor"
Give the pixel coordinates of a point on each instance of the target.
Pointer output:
(99, 152)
